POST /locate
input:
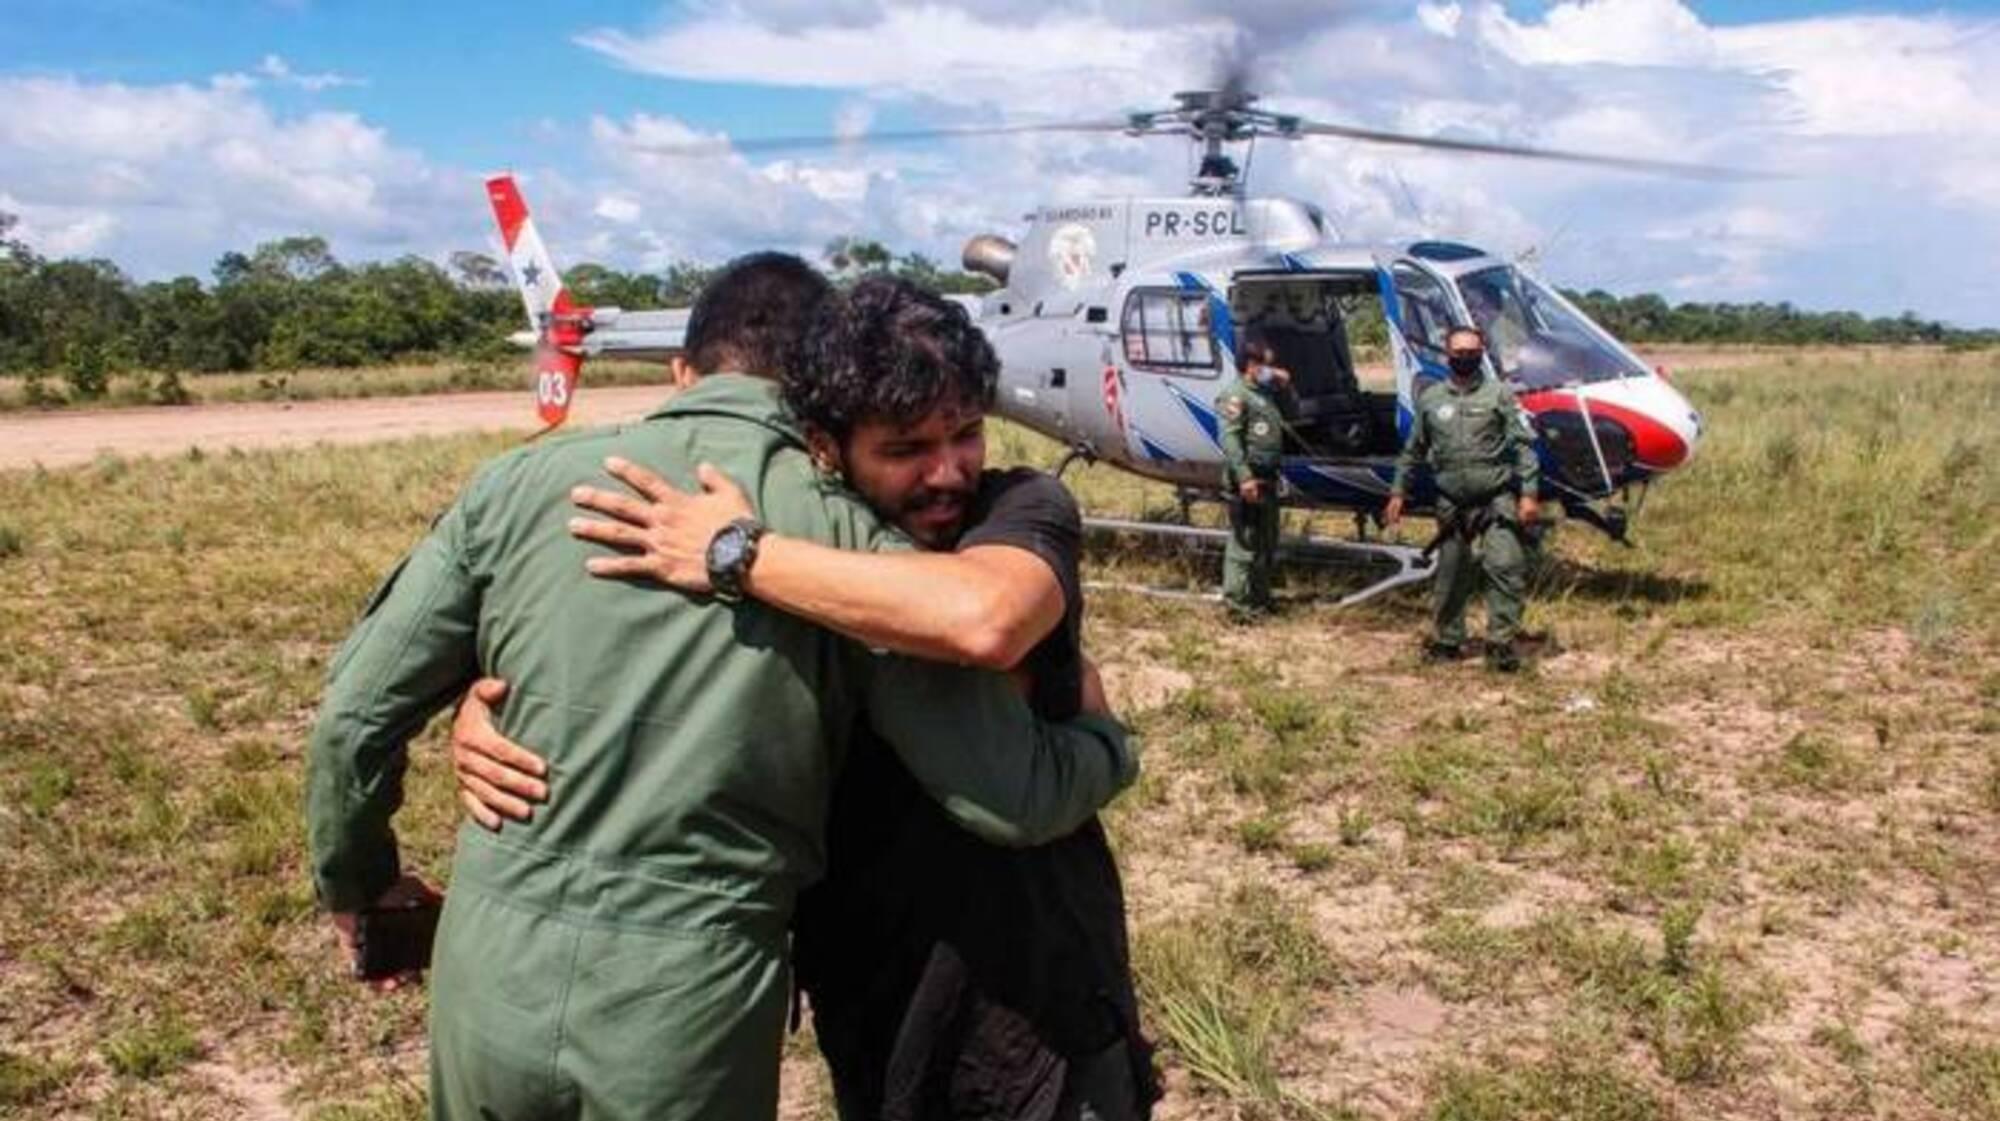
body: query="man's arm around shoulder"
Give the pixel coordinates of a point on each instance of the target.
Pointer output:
(972, 743)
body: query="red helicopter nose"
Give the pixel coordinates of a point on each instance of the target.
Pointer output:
(1637, 422)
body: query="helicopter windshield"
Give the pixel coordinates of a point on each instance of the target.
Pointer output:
(1537, 339)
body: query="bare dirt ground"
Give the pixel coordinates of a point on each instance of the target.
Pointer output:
(65, 439)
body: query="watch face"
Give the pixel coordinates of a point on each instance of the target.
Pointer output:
(727, 549)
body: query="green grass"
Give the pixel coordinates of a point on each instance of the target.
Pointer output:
(400, 1103)
(1957, 1069)
(26, 1080)
(151, 1049)
(1693, 1012)
(1571, 1086)
(1769, 720)
(1226, 988)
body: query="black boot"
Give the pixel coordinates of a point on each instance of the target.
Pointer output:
(1501, 657)
(1438, 653)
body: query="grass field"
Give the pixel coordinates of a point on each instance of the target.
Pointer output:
(1729, 851)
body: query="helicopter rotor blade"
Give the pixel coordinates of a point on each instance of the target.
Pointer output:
(1523, 151)
(759, 144)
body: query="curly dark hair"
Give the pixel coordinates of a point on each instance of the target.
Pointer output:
(888, 350)
(753, 315)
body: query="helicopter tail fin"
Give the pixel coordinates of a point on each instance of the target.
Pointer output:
(534, 271)
(554, 318)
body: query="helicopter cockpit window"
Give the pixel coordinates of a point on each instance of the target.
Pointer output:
(1167, 329)
(1424, 309)
(1538, 339)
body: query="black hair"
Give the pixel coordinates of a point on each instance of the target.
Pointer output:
(888, 350)
(751, 317)
(1254, 341)
(1466, 329)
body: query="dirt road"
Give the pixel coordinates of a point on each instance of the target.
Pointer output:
(66, 439)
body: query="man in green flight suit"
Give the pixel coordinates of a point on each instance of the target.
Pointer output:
(623, 955)
(1472, 434)
(1253, 446)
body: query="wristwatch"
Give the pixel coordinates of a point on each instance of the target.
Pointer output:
(731, 552)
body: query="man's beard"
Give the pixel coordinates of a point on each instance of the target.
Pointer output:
(923, 515)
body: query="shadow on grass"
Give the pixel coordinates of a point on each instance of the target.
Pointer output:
(1182, 564)
(1563, 578)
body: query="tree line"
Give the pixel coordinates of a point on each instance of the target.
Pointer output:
(290, 303)
(1648, 318)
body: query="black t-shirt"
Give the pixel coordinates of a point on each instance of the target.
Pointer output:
(1027, 509)
(1040, 931)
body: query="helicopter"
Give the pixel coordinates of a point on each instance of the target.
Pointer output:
(1116, 324)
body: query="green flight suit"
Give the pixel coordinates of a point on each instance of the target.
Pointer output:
(1481, 452)
(1253, 447)
(624, 954)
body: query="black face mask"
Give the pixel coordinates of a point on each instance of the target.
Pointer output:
(1466, 365)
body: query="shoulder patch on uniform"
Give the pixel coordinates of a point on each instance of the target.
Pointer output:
(1261, 428)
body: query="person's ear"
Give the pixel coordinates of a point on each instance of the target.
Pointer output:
(825, 451)
(681, 371)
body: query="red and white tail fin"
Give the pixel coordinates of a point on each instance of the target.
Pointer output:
(535, 275)
(557, 321)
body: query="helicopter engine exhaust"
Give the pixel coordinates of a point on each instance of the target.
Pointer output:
(990, 254)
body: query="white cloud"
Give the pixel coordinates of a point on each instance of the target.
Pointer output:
(618, 208)
(1625, 32)
(1440, 19)
(164, 178)
(278, 70)
(60, 231)
(1053, 64)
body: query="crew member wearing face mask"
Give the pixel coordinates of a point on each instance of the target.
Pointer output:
(1472, 435)
(1253, 445)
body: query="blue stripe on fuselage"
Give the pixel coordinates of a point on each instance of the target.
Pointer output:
(1199, 412)
(1324, 486)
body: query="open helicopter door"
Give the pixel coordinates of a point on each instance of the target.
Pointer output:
(1303, 314)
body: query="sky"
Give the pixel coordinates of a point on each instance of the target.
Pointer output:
(162, 133)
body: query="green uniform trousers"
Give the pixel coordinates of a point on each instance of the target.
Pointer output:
(544, 1012)
(1500, 552)
(1252, 551)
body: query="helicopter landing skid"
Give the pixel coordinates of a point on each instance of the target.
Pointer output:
(1412, 565)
